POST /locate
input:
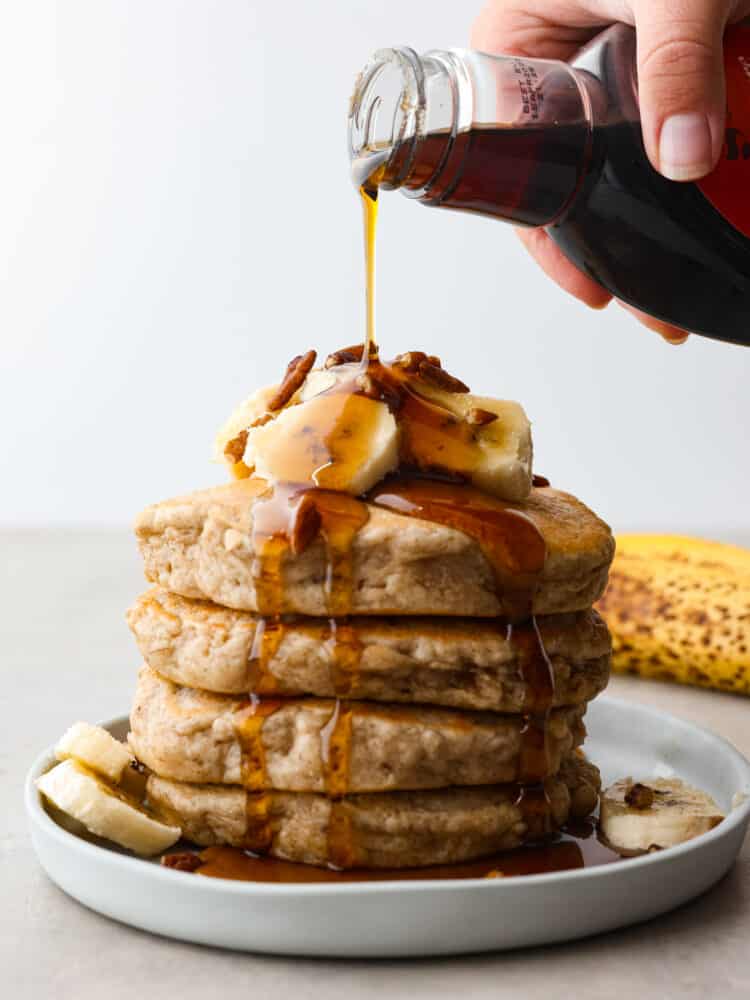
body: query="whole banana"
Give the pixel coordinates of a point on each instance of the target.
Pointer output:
(678, 609)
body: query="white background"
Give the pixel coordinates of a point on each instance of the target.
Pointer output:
(176, 221)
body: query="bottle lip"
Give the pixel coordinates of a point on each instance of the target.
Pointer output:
(391, 84)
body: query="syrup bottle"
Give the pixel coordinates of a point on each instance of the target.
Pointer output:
(539, 142)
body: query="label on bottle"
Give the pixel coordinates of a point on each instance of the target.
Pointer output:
(727, 187)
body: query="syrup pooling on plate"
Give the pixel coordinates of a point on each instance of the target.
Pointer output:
(576, 847)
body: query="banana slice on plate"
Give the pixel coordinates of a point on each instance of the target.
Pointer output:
(94, 785)
(96, 748)
(636, 817)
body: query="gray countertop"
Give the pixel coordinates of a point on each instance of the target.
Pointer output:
(67, 654)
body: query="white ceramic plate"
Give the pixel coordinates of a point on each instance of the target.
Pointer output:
(435, 917)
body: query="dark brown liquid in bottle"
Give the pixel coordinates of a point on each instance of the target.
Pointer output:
(657, 244)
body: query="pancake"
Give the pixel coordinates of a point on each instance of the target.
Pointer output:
(458, 663)
(201, 546)
(389, 830)
(318, 745)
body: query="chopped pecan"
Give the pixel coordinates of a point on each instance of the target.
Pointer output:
(410, 361)
(440, 377)
(235, 449)
(375, 388)
(305, 524)
(182, 861)
(639, 796)
(479, 417)
(345, 356)
(296, 373)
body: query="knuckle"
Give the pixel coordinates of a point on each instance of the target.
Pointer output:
(677, 57)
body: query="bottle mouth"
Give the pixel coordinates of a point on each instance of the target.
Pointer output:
(386, 118)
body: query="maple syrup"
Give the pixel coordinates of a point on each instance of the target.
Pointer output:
(575, 847)
(345, 651)
(516, 551)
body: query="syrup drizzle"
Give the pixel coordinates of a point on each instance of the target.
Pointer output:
(369, 195)
(269, 634)
(345, 650)
(335, 749)
(516, 550)
(290, 515)
(248, 724)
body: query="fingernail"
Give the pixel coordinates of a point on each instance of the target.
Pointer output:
(685, 147)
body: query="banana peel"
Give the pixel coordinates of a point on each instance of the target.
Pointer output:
(678, 609)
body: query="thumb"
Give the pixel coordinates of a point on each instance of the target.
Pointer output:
(681, 84)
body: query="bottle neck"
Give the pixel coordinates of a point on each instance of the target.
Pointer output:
(471, 131)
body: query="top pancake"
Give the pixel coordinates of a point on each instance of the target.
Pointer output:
(201, 545)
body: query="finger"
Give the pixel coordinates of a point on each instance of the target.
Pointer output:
(672, 334)
(543, 29)
(681, 83)
(556, 265)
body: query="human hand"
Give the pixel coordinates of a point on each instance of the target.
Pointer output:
(680, 86)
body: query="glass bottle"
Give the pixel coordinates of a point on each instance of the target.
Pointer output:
(546, 143)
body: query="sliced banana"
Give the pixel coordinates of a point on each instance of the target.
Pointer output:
(636, 817)
(104, 811)
(346, 442)
(504, 468)
(248, 411)
(338, 441)
(96, 748)
(501, 463)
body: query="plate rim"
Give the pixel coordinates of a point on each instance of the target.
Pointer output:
(737, 816)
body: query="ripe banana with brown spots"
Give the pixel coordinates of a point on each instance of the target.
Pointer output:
(678, 609)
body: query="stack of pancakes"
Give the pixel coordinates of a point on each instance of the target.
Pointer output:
(409, 731)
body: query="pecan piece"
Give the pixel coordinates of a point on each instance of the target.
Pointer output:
(480, 418)
(182, 861)
(639, 796)
(379, 389)
(345, 356)
(410, 361)
(440, 377)
(306, 522)
(235, 448)
(296, 373)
